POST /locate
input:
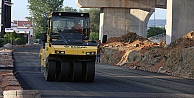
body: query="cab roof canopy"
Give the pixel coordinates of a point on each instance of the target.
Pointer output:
(71, 14)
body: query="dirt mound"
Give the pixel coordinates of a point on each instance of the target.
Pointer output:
(131, 50)
(129, 37)
(118, 49)
(113, 39)
(184, 42)
(190, 35)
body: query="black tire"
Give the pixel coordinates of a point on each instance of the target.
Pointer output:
(77, 73)
(64, 71)
(50, 71)
(90, 72)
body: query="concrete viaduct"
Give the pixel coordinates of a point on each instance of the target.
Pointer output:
(122, 16)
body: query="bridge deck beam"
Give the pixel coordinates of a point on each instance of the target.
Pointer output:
(115, 22)
(119, 17)
(133, 4)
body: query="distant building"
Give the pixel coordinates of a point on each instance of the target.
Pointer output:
(25, 27)
(21, 26)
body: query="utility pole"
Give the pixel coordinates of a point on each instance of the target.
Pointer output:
(5, 16)
(154, 17)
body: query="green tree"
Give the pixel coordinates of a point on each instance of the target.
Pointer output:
(23, 38)
(153, 31)
(9, 37)
(69, 9)
(17, 41)
(94, 36)
(38, 35)
(39, 11)
(5, 38)
(12, 36)
(1, 42)
(94, 19)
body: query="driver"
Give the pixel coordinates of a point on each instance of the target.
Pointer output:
(77, 25)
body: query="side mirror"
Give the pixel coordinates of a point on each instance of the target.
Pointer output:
(44, 37)
(48, 23)
(104, 39)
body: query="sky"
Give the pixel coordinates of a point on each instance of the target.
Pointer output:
(20, 11)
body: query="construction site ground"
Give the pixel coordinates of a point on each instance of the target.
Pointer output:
(110, 81)
(7, 74)
(133, 51)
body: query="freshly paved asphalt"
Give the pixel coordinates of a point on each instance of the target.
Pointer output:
(110, 81)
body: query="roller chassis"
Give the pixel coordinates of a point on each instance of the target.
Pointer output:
(70, 68)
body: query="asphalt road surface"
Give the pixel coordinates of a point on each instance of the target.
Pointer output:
(110, 81)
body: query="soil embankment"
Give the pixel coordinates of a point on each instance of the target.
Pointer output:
(133, 51)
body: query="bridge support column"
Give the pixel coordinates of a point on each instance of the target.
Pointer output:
(180, 19)
(139, 20)
(114, 22)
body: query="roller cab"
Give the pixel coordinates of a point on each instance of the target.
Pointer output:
(66, 53)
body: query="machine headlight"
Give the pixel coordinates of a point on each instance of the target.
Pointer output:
(87, 53)
(90, 53)
(60, 52)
